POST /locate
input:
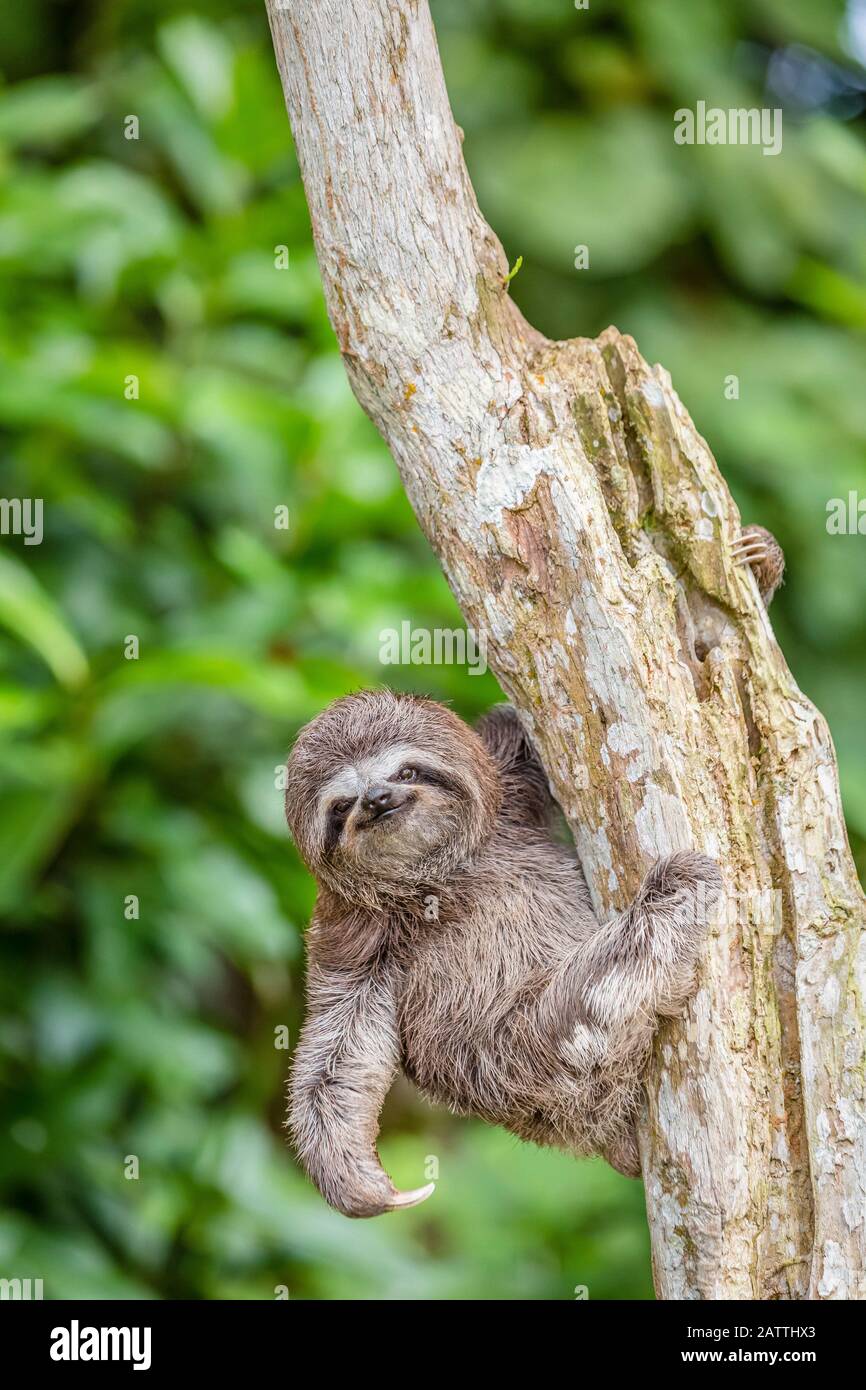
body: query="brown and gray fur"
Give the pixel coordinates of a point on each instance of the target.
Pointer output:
(454, 938)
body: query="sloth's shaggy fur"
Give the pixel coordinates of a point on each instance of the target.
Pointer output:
(454, 937)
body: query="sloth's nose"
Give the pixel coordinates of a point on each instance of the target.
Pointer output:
(378, 800)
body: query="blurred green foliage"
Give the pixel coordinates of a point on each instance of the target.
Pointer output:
(153, 1036)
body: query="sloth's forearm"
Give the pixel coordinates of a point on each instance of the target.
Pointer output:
(641, 964)
(333, 1117)
(343, 1068)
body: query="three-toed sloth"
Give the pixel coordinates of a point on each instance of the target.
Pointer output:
(454, 937)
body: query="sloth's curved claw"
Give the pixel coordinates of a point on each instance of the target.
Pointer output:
(748, 548)
(758, 548)
(412, 1198)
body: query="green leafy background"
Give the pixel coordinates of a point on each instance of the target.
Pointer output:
(155, 1037)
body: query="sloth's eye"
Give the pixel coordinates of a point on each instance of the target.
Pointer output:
(339, 808)
(407, 774)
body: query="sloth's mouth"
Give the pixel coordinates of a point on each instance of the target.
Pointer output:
(386, 815)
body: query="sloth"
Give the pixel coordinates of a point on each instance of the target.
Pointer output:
(454, 938)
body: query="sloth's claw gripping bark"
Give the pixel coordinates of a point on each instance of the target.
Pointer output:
(641, 965)
(758, 547)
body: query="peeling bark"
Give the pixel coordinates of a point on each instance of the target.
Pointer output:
(583, 524)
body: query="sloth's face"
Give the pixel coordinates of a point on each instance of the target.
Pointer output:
(385, 792)
(388, 811)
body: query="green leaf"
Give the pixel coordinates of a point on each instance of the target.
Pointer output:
(46, 111)
(28, 611)
(514, 269)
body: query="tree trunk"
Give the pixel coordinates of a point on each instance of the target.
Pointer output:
(584, 526)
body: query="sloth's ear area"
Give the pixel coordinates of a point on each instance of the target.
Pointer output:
(525, 789)
(302, 816)
(481, 788)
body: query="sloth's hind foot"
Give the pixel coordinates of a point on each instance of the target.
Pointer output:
(758, 547)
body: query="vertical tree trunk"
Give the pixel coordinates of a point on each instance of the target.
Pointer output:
(582, 524)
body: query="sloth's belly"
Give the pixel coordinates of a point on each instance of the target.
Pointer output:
(470, 1024)
(485, 1056)
(468, 1034)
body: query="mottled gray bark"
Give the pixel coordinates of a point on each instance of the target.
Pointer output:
(584, 526)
